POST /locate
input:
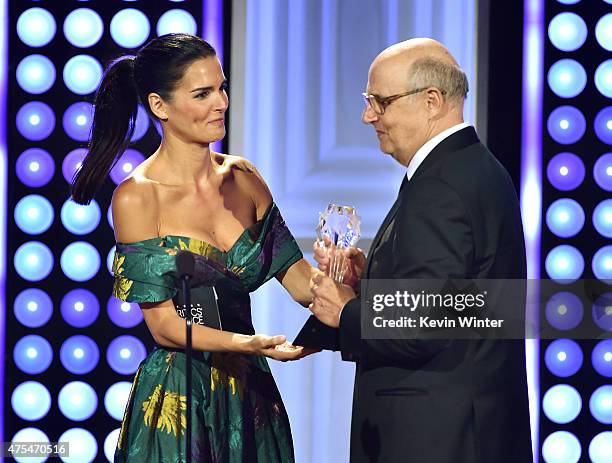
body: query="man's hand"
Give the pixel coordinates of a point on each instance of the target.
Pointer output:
(329, 299)
(355, 261)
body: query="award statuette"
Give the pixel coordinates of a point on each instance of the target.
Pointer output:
(339, 228)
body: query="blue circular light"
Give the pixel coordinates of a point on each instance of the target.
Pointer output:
(129, 28)
(602, 311)
(603, 125)
(601, 404)
(32, 354)
(33, 307)
(77, 120)
(82, 74)
(602, 171)
(77, 401)
(31, 401)
(34, 214)
(80, 261)
(603, 31)
(602, 218)
(564, 263)
(80, 219)
(79, 354)
(83, 27)
(565, 171)
(35, 74)
(82, 444)
(561, 447)
(603, 78)
(73, 162)
(563, 357)
(600, 448)
(110, 259)
(566, 125)
(125, 165)
(35, 167)
(602, 263)
(567, 78)
(601, 358)
(110, 444)
(116, 399)
(565, 217)
(568, 2)
(80, 308)
(564, 311)
(36, 27)
(109, 216)
(33, 261)
(123, 314)
(176, 21)
(35, 121)
(562, 404)
(567, 31)
(142, 124)
(125, 353)
(30, 435)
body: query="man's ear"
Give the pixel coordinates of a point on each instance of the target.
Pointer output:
(158, 106)
(434, 100)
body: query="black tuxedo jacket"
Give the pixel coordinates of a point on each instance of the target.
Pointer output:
(443, 401)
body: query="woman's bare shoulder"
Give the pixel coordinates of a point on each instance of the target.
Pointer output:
(134, 208)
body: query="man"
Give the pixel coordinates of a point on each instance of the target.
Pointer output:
(456, 216)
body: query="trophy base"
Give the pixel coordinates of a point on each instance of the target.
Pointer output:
(316, 335)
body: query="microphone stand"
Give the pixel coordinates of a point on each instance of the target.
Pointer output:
(188, 357)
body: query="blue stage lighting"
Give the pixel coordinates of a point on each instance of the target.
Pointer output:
(79, 354)
(602, 263)
(80, 219)
(602, 171)
(603, 78)
(142, 124)
(82, 444)
(72, 162)
(35, 121)
(34, 214)
(110, 444)
(77, 401)
(561, 447)
(32, 354)
(603, 125)
(603, 31)
(35, 167)
(80, 308)
(602, 311)
(600, 448)
(564, 311)
(565, 171)
(567, 78)
(601, 404)
(77, 120)
(568, 2)
(601, 358)
(31, 400)
(123, 314)
(176, 20)
(130, 28)
(566, 125)
(109, 216)
(116, 399)
(33, 261)
(36, 27)
(83, 27)
(565, 217)
(30, 435)
(564, 263)
(80, 261)
(562, 404)
(33, 307)
(567, 31)
(125, 165)
(109, 260)
(35, 74)
(602, 218)
(82, 74)
(563, 357)
(125, 353)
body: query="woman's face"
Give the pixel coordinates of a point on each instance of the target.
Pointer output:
(196, 112)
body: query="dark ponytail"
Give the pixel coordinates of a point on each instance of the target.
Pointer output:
(115, 109)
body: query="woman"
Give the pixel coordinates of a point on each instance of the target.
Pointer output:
(186, 196)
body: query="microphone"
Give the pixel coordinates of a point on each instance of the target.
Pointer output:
(185, 264)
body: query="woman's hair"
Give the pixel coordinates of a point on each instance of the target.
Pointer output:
(157, 68)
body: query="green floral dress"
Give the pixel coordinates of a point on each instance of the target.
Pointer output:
(237, 413)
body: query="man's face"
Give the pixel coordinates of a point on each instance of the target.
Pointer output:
(402, 129)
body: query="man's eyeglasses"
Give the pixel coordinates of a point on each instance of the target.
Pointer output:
(380, 103)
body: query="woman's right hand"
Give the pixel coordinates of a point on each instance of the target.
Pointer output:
(260, 344)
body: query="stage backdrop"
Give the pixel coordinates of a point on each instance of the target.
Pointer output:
(298, 68)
